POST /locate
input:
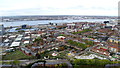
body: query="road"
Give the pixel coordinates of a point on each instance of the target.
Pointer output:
(26, 62)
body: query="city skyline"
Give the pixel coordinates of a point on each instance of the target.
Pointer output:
(58, 7)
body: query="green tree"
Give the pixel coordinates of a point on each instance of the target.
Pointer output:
(89, 42)
(38, 40)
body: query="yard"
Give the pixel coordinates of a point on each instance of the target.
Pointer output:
(16, 55)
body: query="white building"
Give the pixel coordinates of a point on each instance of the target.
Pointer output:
(26, 42)
(70, 26)
(15, 44)
(86, 26)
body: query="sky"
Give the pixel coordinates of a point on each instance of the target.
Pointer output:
(59, 7)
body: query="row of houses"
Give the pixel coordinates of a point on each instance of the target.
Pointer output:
(101, 50)
(105, 50)
(81, 25)
(114, 39)
(27, 51)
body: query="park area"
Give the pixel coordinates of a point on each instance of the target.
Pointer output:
(16, 55)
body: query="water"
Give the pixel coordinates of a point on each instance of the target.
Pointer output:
(18, 23)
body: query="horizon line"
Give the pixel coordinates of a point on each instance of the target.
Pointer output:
(57, 15)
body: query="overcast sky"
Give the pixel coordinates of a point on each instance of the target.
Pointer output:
(58, 7)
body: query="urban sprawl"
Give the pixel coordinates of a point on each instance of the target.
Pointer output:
(61, 45)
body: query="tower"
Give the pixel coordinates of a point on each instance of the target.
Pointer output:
(2, 30)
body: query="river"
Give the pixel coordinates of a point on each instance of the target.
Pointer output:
(18, 23)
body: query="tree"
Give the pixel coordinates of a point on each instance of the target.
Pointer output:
(56, 65)
(89, 42)
(38, 40)
(60, 65)
(38, 56)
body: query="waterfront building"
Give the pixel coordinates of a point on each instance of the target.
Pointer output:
(71, 26)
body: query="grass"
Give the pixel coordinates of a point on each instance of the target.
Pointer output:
(16, 55)
(74, 43)
(85, 30)
(15, 62)
(0, 62)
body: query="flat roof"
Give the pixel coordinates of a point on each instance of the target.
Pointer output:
(12, 36)
(19, 35)
(7, 40)
(18, 39)
(26, 42)
(15, 44)
(27, 37)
